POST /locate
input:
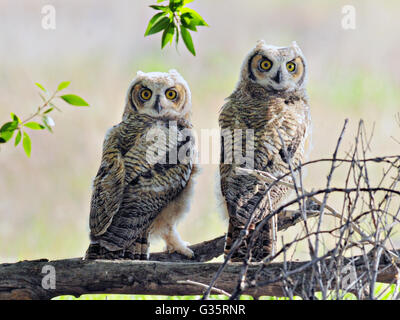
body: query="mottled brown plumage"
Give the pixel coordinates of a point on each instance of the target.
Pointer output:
(144, 180)
(267, 100)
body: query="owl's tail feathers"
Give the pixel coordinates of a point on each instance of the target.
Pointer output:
(95, 251)
(261, 245)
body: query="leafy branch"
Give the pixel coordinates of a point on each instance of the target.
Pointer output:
(175, 19)
(16, 125)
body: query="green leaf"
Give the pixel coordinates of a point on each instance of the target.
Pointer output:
(34, 126)
(63, 85)
(162, 8)
(168, 35)
(187, 39)
(185, 2)
(26, 143)
(7, 130)
(48, 111)
(161, 24)
(197, 19)
(9, 126)
(174, 5)
(153, 20)
(17, 138)
(40, 87)
(74, 100)
(14, 117)
(48, 123)
(188, 22)
(176, 37)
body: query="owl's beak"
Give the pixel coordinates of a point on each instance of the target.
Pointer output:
(278, 76)
(157, 105)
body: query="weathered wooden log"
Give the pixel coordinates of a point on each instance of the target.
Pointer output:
(27, 279)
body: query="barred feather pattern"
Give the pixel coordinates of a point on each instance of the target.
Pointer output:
(129, 192)
(281, 122)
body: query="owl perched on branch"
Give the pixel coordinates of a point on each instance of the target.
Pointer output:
(143, 185)
(264, 126)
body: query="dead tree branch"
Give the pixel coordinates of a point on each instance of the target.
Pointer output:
(23, 280)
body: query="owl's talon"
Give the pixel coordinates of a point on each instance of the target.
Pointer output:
(186, 252)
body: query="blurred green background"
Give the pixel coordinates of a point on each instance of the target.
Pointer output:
(99, 46)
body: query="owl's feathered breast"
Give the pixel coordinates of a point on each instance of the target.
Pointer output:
(279, 126)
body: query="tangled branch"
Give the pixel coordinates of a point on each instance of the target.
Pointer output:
(365, 224)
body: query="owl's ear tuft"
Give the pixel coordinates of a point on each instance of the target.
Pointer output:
(139, 73)
(296, 47)
(260, 43)
(174, 72)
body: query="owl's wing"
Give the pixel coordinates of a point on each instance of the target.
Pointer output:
(151, 158)
(150, 186)
(294, 145)
(108, 186)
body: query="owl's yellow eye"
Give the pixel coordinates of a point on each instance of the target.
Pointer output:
(265, 65)
(171, 94)
(291, 66)
(145, 94)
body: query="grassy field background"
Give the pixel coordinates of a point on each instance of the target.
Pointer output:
(99, 46)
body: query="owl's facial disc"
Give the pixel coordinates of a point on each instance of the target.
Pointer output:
(158, 99)
(277, 69)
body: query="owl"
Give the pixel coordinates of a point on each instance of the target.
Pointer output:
(145, 179)
(264, 126)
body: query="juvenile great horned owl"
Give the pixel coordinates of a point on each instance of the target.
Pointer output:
(145, 176)
(269, 97)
